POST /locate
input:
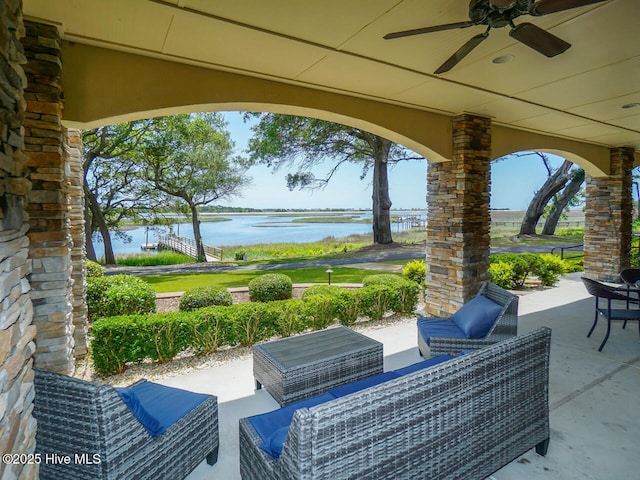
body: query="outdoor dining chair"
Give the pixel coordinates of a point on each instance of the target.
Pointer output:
(610, 293)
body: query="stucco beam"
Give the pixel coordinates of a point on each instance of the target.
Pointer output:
(105, 86)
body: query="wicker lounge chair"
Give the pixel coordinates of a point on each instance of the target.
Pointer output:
(437, 336)
(609, 293)
(91, 425)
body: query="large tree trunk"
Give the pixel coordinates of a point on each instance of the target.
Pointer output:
(196, 234)
(561, 202)
(381, 199)
(551, 186)
(99, 220)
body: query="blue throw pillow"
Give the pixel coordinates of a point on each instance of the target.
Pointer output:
(476, 317)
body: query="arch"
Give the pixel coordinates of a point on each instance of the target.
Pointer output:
(593, 159)
(106, 86)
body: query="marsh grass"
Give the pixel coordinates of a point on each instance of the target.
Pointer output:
(163, 257)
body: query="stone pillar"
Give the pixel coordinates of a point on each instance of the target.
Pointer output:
(75, 194)
(17, 425)
(459, 218)
(608, 217)
(48, 214)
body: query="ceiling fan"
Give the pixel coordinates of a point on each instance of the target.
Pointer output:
(498, 14)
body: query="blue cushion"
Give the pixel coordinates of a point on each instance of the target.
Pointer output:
(157, 406)
(276, 441)
(358, 385)
(148, 421)
(266, 424)
(424, 364)
(438, 328)
(476, 317)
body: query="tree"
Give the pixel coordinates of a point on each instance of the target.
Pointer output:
(284, 140)
(567, 197)
(556, 181)
(113, 185)
(189, 157)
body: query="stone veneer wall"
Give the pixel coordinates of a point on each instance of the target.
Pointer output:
(459, 219)
(608, 218)
(48, 210)
(75, 196)
(17, 425)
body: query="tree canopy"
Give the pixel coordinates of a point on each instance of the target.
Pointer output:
(290, 141)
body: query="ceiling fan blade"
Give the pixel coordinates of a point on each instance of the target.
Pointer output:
(419, 31)
(461, 53)
(539, 39)
(544, 7)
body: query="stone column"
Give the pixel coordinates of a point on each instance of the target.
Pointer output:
(17, 425)
(48, 210)
(75, 195)
(608, 217)
(458, 217)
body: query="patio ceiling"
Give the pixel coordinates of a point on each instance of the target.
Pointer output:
(337, 46)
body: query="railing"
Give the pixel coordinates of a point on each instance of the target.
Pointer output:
(568, 247)
(188, 247)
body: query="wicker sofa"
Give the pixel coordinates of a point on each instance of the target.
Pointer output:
(463, 418)
(91, 425)
(437, 335)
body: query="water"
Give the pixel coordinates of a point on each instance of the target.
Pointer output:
(244, 230)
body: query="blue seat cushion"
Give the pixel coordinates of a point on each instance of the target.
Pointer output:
(157, 407)
(358, 385)
(438, 328)
(476, 317)
(424, 364)
(273, 426)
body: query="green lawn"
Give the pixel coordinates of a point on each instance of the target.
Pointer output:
(241, 278)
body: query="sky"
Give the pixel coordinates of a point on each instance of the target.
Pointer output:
(513, 182)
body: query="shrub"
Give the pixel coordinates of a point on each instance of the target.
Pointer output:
(200, 297)
(407, 290)
(376, 300)
(209, 330)
(165, 336)
(331, 290)
(416, 271)
(348, 306)
(320, 310)
(116, 341)
(288, 316)
(510, 270)
(93, 269)
(269, 287)
(118, 295)
(252, 322)
(501, 273)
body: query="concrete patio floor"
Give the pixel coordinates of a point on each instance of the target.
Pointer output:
(593, 400)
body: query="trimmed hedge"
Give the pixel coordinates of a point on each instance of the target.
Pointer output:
(119, 340)
(407, 291)
(118, 295)
(201, 297)
(270, 287)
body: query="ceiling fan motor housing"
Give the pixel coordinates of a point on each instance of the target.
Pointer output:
(483, 12)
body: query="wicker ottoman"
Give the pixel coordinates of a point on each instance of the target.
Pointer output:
(300, 367)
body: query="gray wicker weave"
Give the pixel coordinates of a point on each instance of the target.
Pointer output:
(505, 326)
(77, 417)
(462, 419)
(300, 367)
